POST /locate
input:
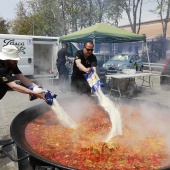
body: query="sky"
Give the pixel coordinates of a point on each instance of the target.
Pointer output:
(8, 11)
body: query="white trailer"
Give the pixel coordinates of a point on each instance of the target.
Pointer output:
(38, 53)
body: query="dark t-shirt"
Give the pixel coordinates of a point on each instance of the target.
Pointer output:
(61, 60)
(91, 61)
(6, 77)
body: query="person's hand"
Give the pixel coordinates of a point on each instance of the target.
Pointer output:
(40, 95)
(88, 70)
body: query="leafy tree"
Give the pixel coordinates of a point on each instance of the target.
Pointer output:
(163, 11)
(22, 24)
(60, 17)
(132, 8)
(40, 18)
(4, 26)
(69, 15)
(114, 11)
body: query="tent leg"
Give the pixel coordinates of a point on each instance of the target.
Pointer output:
(148, 56)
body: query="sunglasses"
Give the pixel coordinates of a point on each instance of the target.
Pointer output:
(89, 49)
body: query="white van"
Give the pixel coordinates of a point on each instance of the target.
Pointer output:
(38, 53)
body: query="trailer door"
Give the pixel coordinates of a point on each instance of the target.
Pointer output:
(26, 64)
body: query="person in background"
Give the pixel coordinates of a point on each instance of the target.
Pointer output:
(8, 65)
(84, 60)
(62, 57)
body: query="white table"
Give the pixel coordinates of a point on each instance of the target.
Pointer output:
(123, 77)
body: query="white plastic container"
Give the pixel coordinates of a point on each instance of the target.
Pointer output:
(129, 71)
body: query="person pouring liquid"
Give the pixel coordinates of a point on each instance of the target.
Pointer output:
(8, 65)
(83, 61)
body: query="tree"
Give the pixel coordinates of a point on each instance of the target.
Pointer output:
(50, 17)
(163, 10)
(22, 24)
(132, 8)
(4, 26)
(101, 9)
(114, 11)
(60, 17)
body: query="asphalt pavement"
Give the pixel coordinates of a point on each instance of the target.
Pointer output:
(14, 102)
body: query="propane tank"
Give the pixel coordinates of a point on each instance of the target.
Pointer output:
(47, 94)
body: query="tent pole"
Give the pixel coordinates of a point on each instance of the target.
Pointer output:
(94, 42)
(104, 51)
(148, 55)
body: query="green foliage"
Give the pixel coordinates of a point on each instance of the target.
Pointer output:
(3, 26)
(22, 24)
(114, 11)
(59, 17)
(163, 11)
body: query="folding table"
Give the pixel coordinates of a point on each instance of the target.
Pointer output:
(124, 77)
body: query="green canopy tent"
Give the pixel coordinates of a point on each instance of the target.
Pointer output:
(103, 33)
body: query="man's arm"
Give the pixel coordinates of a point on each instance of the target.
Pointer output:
(81, 67)
(27, 83)
(24, 80)
(25, 90)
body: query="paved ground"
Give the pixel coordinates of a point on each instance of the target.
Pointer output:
(14, 102)
(157, 95)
